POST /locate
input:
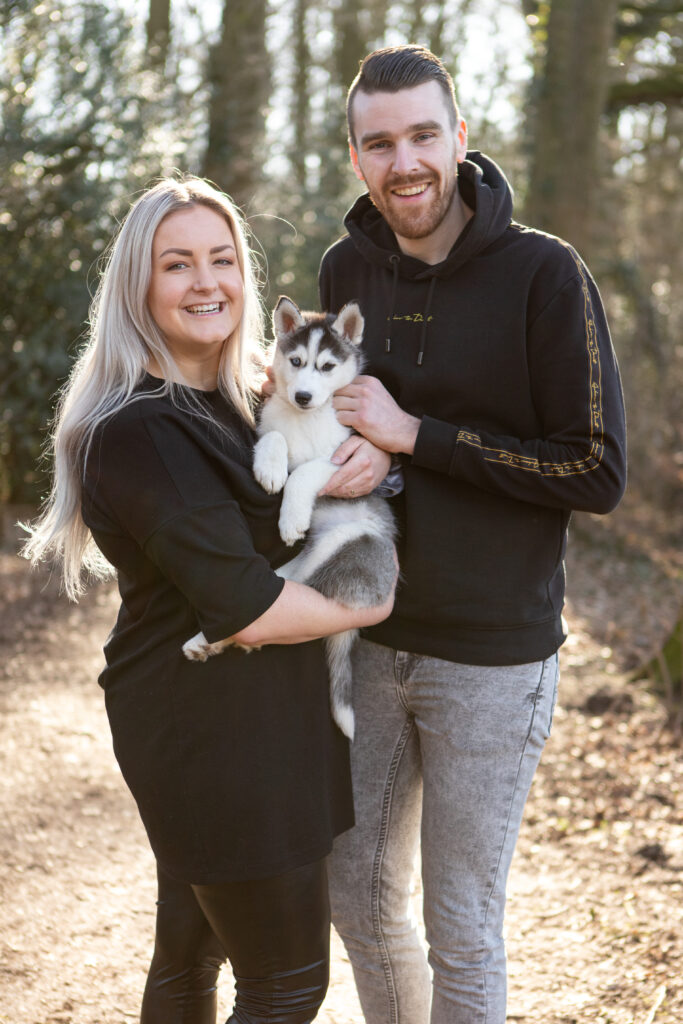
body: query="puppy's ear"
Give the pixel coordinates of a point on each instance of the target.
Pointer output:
(350, 323)
(287, 317)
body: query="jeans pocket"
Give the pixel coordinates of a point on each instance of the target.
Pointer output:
(548, 695)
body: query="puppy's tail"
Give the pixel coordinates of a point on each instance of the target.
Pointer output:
(338, 650)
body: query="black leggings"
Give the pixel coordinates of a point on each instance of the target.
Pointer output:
(274, 931)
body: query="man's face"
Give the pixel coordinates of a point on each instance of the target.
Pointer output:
(407, 154)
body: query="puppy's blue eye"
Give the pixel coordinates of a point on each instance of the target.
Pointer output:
(327, 367)
(295, 361)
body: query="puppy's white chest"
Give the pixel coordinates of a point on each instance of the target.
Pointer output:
(313, 434)
(315, 440)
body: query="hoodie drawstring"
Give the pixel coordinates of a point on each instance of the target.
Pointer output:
(423, 333)
(394, 259)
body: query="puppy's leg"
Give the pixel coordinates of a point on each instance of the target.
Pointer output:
(270, 461)
(199, 649)
(301, 491)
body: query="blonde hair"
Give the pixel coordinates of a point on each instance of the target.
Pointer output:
(122, 338)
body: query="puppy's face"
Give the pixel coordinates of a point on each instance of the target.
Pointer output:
(316, 354)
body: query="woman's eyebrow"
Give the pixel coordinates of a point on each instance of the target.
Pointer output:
(188, 252)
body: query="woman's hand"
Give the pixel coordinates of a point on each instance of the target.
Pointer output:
(363, 466)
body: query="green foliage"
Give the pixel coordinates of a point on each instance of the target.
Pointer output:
(79, 135)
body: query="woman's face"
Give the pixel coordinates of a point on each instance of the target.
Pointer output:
(196, 292)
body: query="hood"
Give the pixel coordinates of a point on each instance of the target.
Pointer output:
(483, 187)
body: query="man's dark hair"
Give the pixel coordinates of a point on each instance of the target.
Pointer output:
(400, 67)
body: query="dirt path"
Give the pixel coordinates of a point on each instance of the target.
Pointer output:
(596, 897)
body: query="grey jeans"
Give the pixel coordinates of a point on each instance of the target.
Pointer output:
(443, 760)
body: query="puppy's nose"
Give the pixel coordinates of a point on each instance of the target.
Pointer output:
(302, 398)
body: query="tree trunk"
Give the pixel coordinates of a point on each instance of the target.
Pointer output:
(300, 93)
(351, 46)
(158, 31)
(570, 95)
(239, 80)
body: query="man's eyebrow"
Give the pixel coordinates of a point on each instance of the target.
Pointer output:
(188, 252)
(422, 126)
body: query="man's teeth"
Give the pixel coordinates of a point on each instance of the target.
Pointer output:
(212, 307)
(414, 190)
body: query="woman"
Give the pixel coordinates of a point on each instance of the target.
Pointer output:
(240, 776)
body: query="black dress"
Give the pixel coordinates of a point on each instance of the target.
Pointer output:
(236, 765)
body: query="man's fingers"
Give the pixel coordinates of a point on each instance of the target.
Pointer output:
(340, 484)
(344, 403)
(351, 480)
(346, 449)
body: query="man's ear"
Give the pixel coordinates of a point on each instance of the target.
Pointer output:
(461, 140)
(353, 153)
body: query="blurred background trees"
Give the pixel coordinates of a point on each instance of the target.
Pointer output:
(580, 102)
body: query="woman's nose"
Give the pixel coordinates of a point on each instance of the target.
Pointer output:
(204, 280)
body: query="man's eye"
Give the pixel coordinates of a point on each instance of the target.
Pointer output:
(295, 361)
(326, 367)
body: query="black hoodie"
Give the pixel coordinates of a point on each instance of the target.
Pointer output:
(504, 353)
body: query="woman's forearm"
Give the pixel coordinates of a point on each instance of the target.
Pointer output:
(301, 613)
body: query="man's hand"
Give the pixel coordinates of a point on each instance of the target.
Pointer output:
(363, 467)
(367, 406)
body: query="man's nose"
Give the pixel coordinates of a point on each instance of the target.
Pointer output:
(405, 161)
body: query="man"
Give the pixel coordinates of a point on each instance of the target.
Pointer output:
(491, 376)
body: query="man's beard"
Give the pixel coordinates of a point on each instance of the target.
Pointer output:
(409, 223)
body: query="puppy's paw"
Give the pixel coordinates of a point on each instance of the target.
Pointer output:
(294, 522)
(271, 475)
(245, 647)
(270, 463)
(199, 649)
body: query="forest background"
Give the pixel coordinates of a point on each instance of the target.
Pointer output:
(581, 103)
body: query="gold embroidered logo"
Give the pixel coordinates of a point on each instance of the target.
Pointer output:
(413, 318)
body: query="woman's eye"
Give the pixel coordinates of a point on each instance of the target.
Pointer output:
(327, 367)
(295, 361)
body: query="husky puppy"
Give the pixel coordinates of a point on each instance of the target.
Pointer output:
(348, 554)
